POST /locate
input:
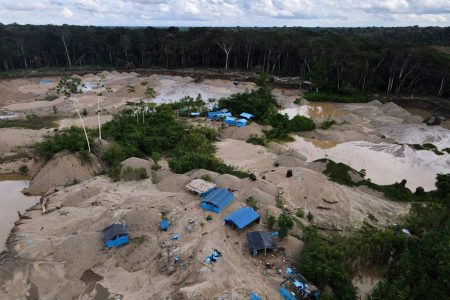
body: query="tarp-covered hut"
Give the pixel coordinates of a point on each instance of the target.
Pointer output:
(115, 235)
(242, 217)
(217, 200)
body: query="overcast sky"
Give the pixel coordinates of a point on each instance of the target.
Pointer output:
(228, 12)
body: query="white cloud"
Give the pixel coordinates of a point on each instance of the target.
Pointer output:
(67, 12)
(229, 12)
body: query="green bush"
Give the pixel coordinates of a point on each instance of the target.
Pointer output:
(72, 139)
(129, 174)
(206, 177)
(279, 202)
(271, 220)
(300, 213)
(352, 97)
(257, 140)
(310, 216)
(252, 202)
(23, 170)
(327, 124)
(301, 123)
(285, 223)
(31, 121)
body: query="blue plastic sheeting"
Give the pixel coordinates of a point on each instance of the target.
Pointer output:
(115, 235)
(254, 296)
(247, 116)
(164, 225)
(230, 121)
(46, 81)
(215, 115)
(217, 200)
(241, 123)
(242, 217)
(195, 114)
(213, 257)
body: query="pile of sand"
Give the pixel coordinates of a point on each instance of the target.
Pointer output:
(196, 174)
(243, 133)
(173, 183)
(137, 163)
(63, 169)
(228, 181)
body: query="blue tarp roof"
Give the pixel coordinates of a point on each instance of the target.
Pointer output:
(164, 224)
(242, 217)
(247, 116)
(219, 197)
(114, 230)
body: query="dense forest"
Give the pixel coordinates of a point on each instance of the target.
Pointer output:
(409, 60)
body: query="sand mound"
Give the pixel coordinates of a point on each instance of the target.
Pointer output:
(289, 161)
(173, 183)
(195, 174)
(85, 245)
(277, 148)
(228, 181)
(291, 246)
(63, 169)
(262, 198)
(242, 133)
(317, 166)
(267, 187)
(136, 163)
(376, 103)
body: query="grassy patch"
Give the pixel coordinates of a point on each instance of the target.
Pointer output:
(31, 122)
(429, 147)
(327, 124)
(340, 173)
(337, 97)
(257, 140)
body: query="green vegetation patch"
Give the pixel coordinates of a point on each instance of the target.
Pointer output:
(343, 97)
(340, 173)
(31, 121)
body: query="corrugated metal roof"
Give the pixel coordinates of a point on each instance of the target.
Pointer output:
(219, 197)
(200, 186)
(242, 217)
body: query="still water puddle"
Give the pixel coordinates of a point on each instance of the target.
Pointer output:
(12, 201)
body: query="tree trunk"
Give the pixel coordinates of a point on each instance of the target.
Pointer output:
(84, 127)
(63, 38)
(227, 49)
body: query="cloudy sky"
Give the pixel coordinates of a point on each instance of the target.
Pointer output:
(228, 12)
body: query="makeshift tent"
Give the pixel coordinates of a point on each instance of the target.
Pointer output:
(164, 225)
(247, 116)
(221, 114)
(115, 235)
(217, 200)
(241, 123)
(230, 121)
(260, 240)
(200, 187)
(242, 217)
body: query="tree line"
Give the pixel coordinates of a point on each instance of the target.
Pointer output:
(408, 60)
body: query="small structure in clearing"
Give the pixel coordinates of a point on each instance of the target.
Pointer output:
(260, 240)
(217, 200)
(200, 187)
(115, 235)
(242, 217)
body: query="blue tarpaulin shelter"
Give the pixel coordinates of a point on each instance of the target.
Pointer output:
(115, 235)
(217, 200)
(230, 121)
(242, 217)
(241, 123)
(247, 116)
(221, 114)
(195, 114)
(164, 225)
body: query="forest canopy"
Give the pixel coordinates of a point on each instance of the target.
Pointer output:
(408, 60)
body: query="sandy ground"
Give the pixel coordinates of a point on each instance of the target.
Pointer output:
(367, 134)
(45, 259)
(46, 251)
